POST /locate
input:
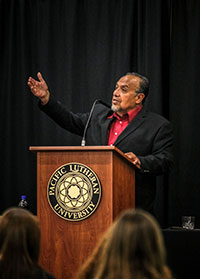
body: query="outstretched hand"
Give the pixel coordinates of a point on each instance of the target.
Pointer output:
(39, 88)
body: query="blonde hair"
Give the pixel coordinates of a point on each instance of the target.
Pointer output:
(132, 248)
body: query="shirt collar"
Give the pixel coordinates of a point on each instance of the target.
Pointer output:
(130, 114)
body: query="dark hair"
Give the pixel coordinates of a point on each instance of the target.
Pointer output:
(144, 83)
(19, 243)
(132, 248)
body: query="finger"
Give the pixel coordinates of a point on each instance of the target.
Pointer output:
(30, 84)
(128, 153)
(137, 164)
(129, 156)
(39, 75)
(32, 81)
(132, 157)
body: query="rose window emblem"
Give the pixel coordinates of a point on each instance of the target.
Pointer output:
(74, 192)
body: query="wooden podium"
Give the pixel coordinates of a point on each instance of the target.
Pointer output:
(65, 245)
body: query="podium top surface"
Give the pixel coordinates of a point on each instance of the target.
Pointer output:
(78, 148)
(67, 148)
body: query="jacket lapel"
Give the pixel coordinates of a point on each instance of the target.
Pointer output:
(132, 126)
(105, 129)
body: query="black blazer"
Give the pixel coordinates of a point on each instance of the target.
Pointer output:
(148, 135)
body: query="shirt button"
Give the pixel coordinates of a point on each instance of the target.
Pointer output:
(115, 134)
(120, 122)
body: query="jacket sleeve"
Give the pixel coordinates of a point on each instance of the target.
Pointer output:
(161, 159)
(72, 122)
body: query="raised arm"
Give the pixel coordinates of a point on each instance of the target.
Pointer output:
(39, 88)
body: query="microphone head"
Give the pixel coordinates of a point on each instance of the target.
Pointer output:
(83, 142)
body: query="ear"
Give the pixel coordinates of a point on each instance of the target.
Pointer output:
(140, 97)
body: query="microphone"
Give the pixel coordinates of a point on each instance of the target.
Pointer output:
(83, 142)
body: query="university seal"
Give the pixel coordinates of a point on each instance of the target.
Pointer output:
(74, 191)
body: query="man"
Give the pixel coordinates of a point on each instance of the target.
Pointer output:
(145, 137)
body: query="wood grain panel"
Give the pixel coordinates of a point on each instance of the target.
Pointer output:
(65, 245)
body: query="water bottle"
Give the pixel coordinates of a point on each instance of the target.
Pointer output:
(23, 202)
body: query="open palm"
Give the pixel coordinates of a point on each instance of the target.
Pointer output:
(38, 88)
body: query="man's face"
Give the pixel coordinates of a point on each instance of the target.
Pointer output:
(124, 96)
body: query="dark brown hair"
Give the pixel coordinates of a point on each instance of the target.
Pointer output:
(144, 83)
(19, 243)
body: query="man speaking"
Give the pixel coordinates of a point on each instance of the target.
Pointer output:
(145, 137)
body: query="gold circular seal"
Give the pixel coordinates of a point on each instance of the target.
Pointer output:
(74, 191)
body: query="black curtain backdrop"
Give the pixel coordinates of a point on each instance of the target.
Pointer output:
(82, 47)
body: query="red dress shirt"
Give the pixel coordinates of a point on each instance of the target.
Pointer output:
(120, 123)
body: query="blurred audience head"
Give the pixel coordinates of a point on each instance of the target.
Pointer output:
(19, 242)
(132, 248)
